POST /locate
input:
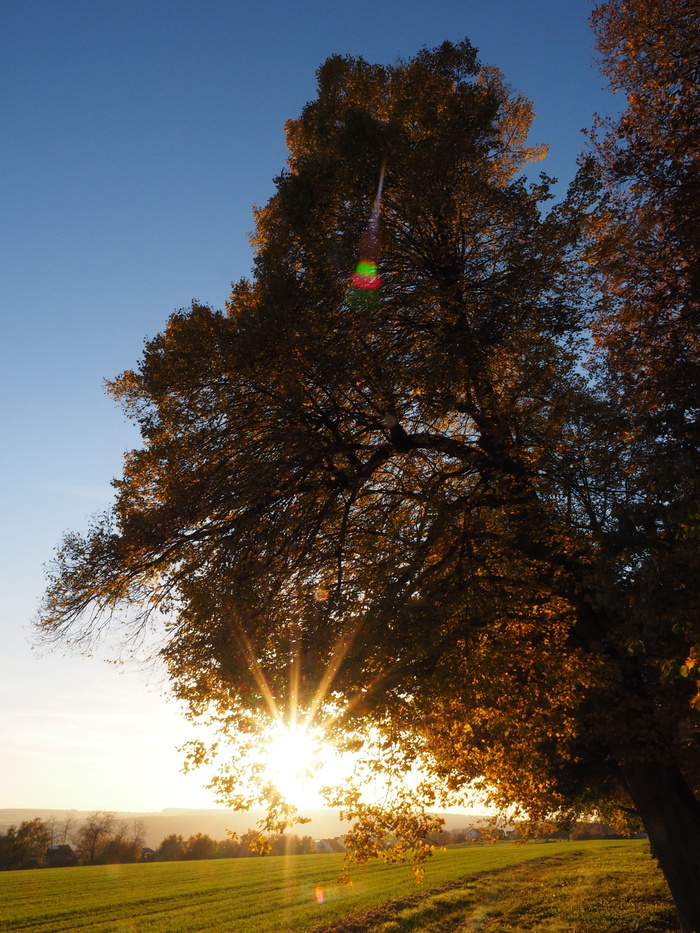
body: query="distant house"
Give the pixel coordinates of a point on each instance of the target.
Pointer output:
(60, 856)
(330, 845)
(147, 854)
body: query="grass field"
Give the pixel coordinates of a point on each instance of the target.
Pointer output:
(599, 887)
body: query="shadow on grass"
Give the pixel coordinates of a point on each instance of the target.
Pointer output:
(605, 891)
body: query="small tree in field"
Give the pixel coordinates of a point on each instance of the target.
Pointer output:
(172, 848)
(24, 846)
(406, 514)
(123, 845)
(93, 834)
(200, 846)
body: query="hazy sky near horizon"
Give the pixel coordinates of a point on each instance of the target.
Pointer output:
(135, 137)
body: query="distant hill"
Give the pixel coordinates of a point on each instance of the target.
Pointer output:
(215, 822)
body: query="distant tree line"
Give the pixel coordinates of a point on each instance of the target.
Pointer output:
(585, 829)
(175, 848)
(101, 839)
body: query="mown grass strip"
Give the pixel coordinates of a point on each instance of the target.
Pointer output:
(600, 890)
(280, 894)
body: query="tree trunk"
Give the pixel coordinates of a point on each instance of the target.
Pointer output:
(671, 816)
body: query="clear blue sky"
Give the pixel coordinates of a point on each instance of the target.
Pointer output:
(135, 136)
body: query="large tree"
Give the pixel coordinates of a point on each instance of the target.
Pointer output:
(648, 354)
(407, 513)
(650, 157)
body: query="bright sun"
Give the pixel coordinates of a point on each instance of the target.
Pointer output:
(299, 763)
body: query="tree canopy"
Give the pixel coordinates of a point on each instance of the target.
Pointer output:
(412, 516)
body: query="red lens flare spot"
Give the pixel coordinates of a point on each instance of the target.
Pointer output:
(366, 275)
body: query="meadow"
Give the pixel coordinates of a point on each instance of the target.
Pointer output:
(567, 887)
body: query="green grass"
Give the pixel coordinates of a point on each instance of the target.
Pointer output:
(602, 887)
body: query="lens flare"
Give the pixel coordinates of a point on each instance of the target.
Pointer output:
(366, 276)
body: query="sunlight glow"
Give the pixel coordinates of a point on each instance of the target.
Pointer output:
(295, 763)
